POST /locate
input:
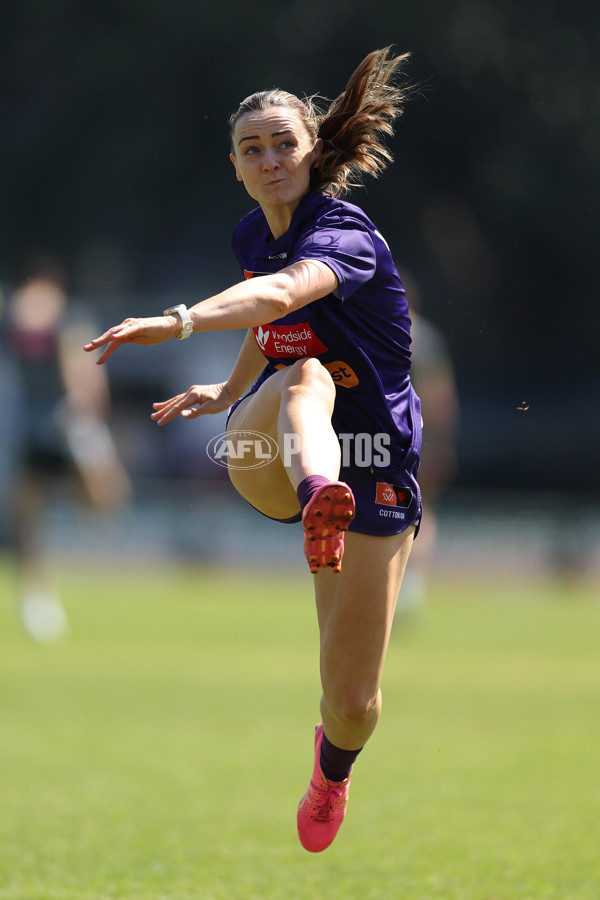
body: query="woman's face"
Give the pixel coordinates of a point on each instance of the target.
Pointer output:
(273, 155)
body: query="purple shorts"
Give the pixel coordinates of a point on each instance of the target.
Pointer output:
(387, 502)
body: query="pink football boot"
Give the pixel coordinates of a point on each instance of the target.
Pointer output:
(325, 519)
(323, 807)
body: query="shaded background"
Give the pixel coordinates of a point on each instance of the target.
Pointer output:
(114, 156)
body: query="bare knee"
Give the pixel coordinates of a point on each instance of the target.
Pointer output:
(309, 376)
(353, 708)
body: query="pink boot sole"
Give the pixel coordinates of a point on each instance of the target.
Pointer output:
(325, 519)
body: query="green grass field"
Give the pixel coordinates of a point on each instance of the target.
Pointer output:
(160, 753)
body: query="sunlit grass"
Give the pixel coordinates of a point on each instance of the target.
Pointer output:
(161, 751)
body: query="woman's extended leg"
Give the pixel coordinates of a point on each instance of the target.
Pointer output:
(355, 611)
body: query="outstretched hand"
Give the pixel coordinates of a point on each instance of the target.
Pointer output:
(198, 400)
(135, 331)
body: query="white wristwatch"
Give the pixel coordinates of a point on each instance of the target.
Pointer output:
(187, 325)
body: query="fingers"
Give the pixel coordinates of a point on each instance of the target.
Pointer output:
(193, 412)
(166, 410)
(117, 331)
(186, 405)
(108, 351)
(130, 331)
(196, 401)
(114, 337)
(98, 342)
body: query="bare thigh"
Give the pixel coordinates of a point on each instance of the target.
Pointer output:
(267, 488)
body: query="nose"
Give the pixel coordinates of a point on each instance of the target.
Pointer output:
(270, 160)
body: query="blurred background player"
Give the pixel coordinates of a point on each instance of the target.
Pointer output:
(432, 375)
(58, 432)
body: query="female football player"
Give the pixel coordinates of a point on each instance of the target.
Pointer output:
(324, 372)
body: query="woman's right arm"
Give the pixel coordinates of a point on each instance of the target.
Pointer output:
(214, 398)
(244, 305)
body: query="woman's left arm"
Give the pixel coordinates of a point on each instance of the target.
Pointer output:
(247, 304)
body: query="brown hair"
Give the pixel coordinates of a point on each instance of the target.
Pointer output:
(353, 126)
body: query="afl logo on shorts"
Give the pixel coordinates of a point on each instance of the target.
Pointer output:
(393, 494)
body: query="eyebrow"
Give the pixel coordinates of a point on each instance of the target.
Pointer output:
(256, 137)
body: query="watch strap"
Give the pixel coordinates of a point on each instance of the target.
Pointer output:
(187, 325)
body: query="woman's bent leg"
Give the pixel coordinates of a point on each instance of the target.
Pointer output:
(293, 407)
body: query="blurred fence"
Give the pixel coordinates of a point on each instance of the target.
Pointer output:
(512, 507)
(205, 522)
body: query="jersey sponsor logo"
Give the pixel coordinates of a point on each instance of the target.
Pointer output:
(393, 494)
(298, 341)
(261, 337)
(342, 374)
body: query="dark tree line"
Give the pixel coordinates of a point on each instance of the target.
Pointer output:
(114, 121)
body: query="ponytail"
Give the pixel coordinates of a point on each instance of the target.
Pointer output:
(353, 127)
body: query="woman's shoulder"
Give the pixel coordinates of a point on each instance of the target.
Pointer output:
(250, 219)
(325, 210)
(250, 231)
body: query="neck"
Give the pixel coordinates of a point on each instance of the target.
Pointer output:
(279, 218)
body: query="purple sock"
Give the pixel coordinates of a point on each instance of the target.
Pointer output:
(309, 486)
(335, 762)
